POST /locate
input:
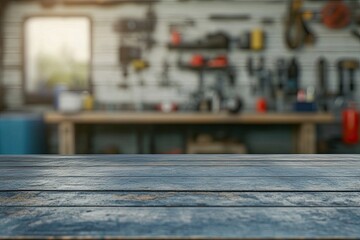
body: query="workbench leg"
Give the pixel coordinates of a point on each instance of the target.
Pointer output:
(66, 138)
(306, 138)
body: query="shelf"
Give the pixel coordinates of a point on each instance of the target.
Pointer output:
(97, 117)
(204, 68)
(192, 46)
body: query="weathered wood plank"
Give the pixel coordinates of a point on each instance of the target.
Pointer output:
(180, 171)
(180, 199)
(223, 196)
(102, 162)
(184, 183)
(172, 158)
(182, 222)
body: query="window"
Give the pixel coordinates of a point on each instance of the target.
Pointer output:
(57, 54)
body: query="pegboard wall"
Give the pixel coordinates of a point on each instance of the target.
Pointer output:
(106, 71)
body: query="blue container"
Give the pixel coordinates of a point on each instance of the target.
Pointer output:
(22, 134)
(305, 107)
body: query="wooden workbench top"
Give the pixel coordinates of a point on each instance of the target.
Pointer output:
(192, 196)
(188, 118)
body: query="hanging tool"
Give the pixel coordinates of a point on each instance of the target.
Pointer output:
(144, 27)
(323, 76)
(281, 70)
(253, 40)
(234, 103)
(217, 40)
(176, 30)
(139, 65)
(230, 17)
(281, 73)
(293, 74)
(165, 79)
(297, 31)
(355, 23)
(127, 55)
(336, 14)
(356, 33)
(263, 85)
(348, 66)
(251, 72)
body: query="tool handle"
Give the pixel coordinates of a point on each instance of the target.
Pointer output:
(352, 80)
(323, 68)
(250, 66)
(356, 34)
(341, 79)
(281, 73)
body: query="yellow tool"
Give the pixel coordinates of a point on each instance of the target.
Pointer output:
(139, 65)
(257, 39)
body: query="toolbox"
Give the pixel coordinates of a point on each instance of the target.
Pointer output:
(21, 134)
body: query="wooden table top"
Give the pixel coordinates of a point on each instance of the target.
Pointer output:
(180, 196)
(188, 118)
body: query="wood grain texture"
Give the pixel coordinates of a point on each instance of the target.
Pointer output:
(193, 196)
(187, 118)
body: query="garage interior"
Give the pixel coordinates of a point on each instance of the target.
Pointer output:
(140, 77)
(179, 119)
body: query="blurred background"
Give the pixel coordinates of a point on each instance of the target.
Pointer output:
(179, 76)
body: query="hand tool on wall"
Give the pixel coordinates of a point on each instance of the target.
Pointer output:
(281, 72)
(297, 31)
(139, 65)
(347, 68)
(145, 27)
(165, 79)
(223, 96)
(217, 40)
(356, 33)
(293, 74)
(251, 73)
(238, 17)
(127, 54)
(263, 86)
(253, 40)
(336, 14)
(132, 25)
(176, 30)
(355, 22)
(322, 85)
(230, 17)
(233, 103)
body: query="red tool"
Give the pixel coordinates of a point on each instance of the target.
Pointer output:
(175, 38)
(336, 14)
(350, 125)
(219, 61)
(261, 105)
(197, 60)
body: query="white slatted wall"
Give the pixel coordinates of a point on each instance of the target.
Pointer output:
(106, 70)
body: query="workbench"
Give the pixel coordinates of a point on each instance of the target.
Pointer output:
(180, 196)
(305, 134)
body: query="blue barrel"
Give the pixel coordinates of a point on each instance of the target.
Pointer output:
(22, 134)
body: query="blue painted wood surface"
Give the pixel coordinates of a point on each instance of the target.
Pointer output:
(192, 196)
